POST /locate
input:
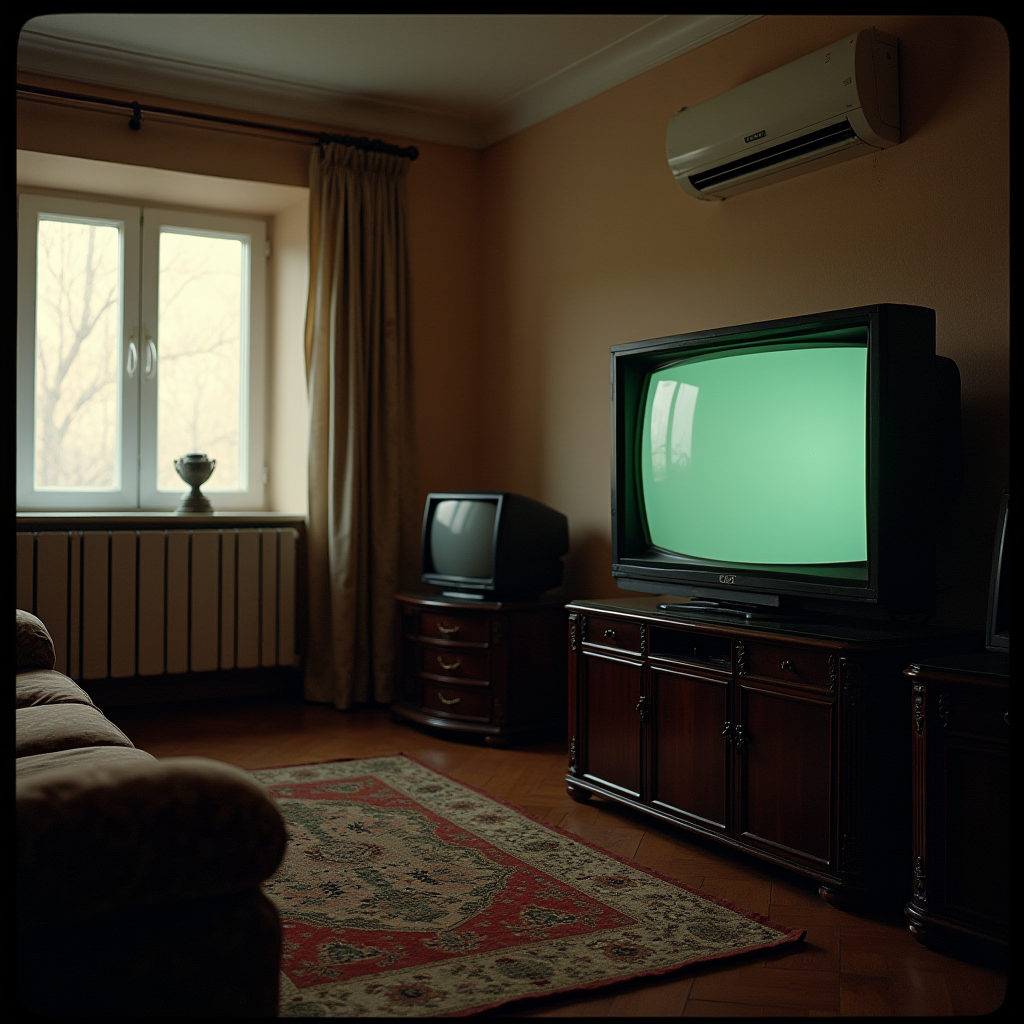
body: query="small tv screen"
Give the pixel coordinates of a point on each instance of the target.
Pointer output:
(462, 537)
(786, 423)
(492, 545)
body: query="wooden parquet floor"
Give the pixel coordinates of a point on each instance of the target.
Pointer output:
(848, 965)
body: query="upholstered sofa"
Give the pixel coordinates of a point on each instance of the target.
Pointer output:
(138, 879)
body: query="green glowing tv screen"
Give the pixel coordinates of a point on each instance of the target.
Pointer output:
(757, 455)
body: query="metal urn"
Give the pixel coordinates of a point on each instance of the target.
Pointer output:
(195, 469)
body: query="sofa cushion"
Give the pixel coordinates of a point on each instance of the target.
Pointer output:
(141, 832)
(63, 726)
(32, 642)
(79, 758)
(47, 686)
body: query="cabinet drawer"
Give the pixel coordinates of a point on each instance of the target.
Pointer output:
(453, 626)
(457, 701)
(622, 634)
(456, 662)
(786, 664)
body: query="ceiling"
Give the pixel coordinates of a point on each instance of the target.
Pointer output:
(461, 79)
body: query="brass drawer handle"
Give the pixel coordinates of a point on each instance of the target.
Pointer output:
(449, 666)
(787, 666)
(447, 630)
(444, 700)
(610, 633)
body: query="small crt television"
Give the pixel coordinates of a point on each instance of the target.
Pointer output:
(492, 545)
(796, 464)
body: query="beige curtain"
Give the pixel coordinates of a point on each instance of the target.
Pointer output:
(363, 524)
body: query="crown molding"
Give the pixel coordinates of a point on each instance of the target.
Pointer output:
(662, 40)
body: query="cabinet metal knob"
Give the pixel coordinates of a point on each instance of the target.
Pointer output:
(447, 630)
(741, 738)
(610, 633)
(641, 708)
(446, 700)
(787, 666)
(448, 666)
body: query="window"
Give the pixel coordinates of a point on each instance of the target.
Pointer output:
(140, 339)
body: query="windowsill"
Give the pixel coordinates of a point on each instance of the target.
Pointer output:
(134, 519)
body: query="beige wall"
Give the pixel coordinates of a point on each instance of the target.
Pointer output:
(590, 243)
(445, 238)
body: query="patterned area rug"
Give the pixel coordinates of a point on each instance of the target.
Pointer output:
(406, 893)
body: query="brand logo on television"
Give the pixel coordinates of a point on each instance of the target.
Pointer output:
(726, 579)
(757, 135)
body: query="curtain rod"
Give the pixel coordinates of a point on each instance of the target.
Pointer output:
(137, 109)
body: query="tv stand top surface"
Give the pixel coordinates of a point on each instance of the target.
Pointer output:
(837, 629)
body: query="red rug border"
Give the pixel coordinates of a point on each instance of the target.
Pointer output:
(787, 935)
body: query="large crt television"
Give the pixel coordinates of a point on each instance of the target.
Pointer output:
(492, 545)
(793, 465)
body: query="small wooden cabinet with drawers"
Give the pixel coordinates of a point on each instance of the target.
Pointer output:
(786, 741)
(496, 669)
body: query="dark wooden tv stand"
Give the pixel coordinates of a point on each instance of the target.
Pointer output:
(788, 742)
(494, 669)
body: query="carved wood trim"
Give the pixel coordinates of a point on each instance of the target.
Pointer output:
(920, 880)
(741, 658)
(920, 707)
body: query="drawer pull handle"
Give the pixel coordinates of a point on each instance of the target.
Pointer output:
(787, 666)
(449, 666)
(641, 709)
(447, 630)
(445, 700)
(741, 737)
(610, 633)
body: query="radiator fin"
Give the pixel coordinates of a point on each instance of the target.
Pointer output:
(122, 603)
(95, 604)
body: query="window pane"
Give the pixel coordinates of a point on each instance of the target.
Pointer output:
(77, 386)
(203, 347)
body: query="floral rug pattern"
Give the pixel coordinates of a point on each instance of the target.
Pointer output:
(406, 893)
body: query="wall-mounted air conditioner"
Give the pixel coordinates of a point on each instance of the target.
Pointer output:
(835, 104)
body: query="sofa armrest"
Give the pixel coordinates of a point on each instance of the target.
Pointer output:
(108, 837)
(32, 642)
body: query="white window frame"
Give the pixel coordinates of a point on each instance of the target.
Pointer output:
(140, 228)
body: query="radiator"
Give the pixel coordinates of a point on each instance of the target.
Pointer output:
(125, 603)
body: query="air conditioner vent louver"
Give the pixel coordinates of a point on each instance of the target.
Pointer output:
(835, 104)
(834, 137)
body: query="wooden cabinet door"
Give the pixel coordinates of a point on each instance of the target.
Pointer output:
(963, 864)
(785, 759)
(690, 751)
(610, 690)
